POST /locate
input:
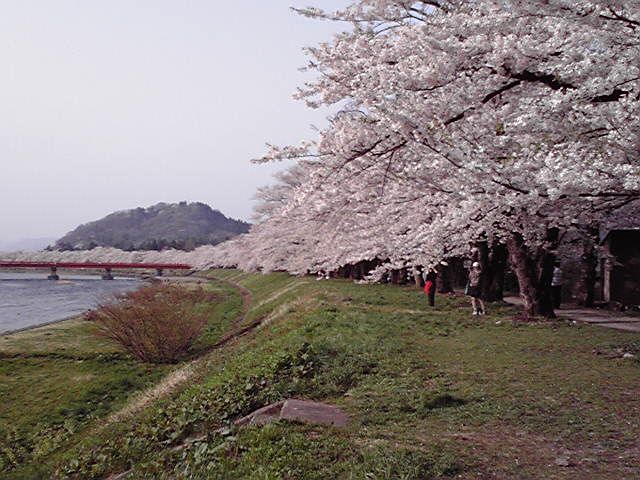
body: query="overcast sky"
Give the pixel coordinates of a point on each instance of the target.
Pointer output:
(109, 105)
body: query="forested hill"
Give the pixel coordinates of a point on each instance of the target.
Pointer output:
(165, 225)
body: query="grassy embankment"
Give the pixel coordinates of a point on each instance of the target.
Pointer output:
(432, 394)
(59, 381)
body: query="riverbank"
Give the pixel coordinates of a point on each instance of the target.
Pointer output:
(431, 393)
(59, 381)
(6, 333)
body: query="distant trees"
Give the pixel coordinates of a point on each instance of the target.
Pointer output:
(180, 226)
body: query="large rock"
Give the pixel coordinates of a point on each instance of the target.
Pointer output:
(262, 416)
(298, 411)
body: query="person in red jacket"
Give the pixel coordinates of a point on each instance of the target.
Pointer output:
(430, 276)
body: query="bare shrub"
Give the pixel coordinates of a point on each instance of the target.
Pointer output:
(156, 324)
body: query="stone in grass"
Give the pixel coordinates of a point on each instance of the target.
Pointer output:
(313, 412)
(262, 416)
(297, 410)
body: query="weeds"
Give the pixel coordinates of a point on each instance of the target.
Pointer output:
(205, 409)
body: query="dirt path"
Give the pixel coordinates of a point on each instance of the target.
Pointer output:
(237, 327)
(601, 318)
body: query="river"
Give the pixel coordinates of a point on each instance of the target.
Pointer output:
(29, 299)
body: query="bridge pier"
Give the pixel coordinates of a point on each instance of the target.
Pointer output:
(159, 272)
(107, 274)
(54, 274)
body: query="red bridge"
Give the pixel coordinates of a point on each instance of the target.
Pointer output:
(108, 267)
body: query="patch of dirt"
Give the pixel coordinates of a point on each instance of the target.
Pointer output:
(500, 452)
(619, 352)
(83, 378)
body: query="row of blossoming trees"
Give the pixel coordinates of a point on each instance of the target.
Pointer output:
(503, 124)
(493, 122)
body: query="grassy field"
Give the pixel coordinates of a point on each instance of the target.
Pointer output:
(58, 381)
(432, 393)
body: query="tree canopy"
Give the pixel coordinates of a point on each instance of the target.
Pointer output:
(458, 121)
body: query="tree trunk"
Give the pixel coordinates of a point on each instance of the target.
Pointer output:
(362, 270)
(523, 268)
(494, 264)
(534, 273)
(444, 280)
(352, 272)
(417, 277)
(458, 273)
(402, 276)
(544, 271)
(586, 286)
(498, 259)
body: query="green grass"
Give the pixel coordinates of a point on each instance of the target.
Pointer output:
(58, 381)
(432, 393)
(223, 313)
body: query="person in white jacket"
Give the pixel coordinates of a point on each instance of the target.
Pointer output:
(556, 285)
(474, 290)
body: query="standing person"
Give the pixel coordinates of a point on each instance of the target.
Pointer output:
(556, 285)
(473, 289)
(430, 276)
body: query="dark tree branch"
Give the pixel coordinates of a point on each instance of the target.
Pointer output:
(502, 89)
(549, 80)
(633, 24)
(614, 96)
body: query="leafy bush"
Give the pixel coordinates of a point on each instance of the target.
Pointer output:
(156, 324)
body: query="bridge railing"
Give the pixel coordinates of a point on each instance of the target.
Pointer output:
(107, 266)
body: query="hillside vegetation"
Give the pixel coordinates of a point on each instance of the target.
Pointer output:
(432, 393)
(181, 225)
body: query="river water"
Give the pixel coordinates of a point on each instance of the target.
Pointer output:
(29, 299)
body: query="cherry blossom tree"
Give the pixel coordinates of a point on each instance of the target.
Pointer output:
(511, 120)
(508, 122)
